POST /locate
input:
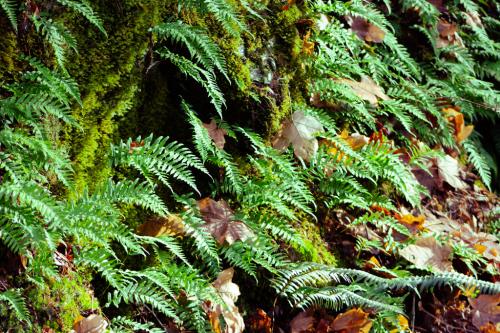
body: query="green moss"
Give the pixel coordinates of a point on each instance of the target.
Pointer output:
(109, 71)
(315, 248)
(61, 301)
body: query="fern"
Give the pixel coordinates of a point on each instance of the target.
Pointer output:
(480, 159)
(83, 8)
(9, 7)
(16, 302)
(156, 157)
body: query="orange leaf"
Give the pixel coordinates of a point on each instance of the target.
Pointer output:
(352, 321)
(413, 223)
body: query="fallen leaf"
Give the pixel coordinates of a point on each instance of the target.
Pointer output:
(157, 226)
(403, 325)
(447, 34)
(217, 134)
(352, 321)
(300, 131)
(92, 324)
(220, 222)
(260, 322)
(302, 323)
(366, 89)
(449, 169)
(307, 46)
(365, 30)
(229, 292)
(485, 309)
(413, 223)
(427, 253)
(462, 132)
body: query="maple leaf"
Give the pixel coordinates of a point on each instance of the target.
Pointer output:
(157, 226)
(352, 321)
(220, 222)
(449, 170)
(485, 309)
(302, 323)
(216, 133)
(92, 324)
(427, 253)
(365, 30)
(366, 89)
(300, 131)
(229, 292)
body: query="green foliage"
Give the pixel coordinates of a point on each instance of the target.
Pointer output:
(9, 7)
(16, 303)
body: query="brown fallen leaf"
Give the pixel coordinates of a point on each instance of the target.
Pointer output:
(299, 131)
(217, 134)
(427, 253)
(352, 321)
(302, 323)
(447, 34)
(229, 292)
(366, 89)
(365, 30)
(220, 222)
(157, 226)
(260, 322)
(92, 324)
(485, 309)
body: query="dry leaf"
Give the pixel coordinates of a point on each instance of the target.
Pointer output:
(365, 30)
(219, 221)
(302, 323)
(217, 134)
(427, 253)
(413, 223)
(352, 321)
(307, 46)
(449, 170)
(260, 322)
(300, 131)
(92, 324)
(447, 34)
(403, 325)
(485, 309)
(157, 226)
(366, 89)
(462, 132)
(229, 292)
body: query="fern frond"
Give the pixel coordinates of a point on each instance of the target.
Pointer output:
(83, 8)
(16, 303)
(9, 7)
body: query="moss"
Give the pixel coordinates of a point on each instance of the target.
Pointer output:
(315, 248)
(61, 301)
(109, 71)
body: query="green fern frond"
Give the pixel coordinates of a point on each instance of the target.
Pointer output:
(83, 8)
(200, 46)
(9, 7)
(16, 302)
